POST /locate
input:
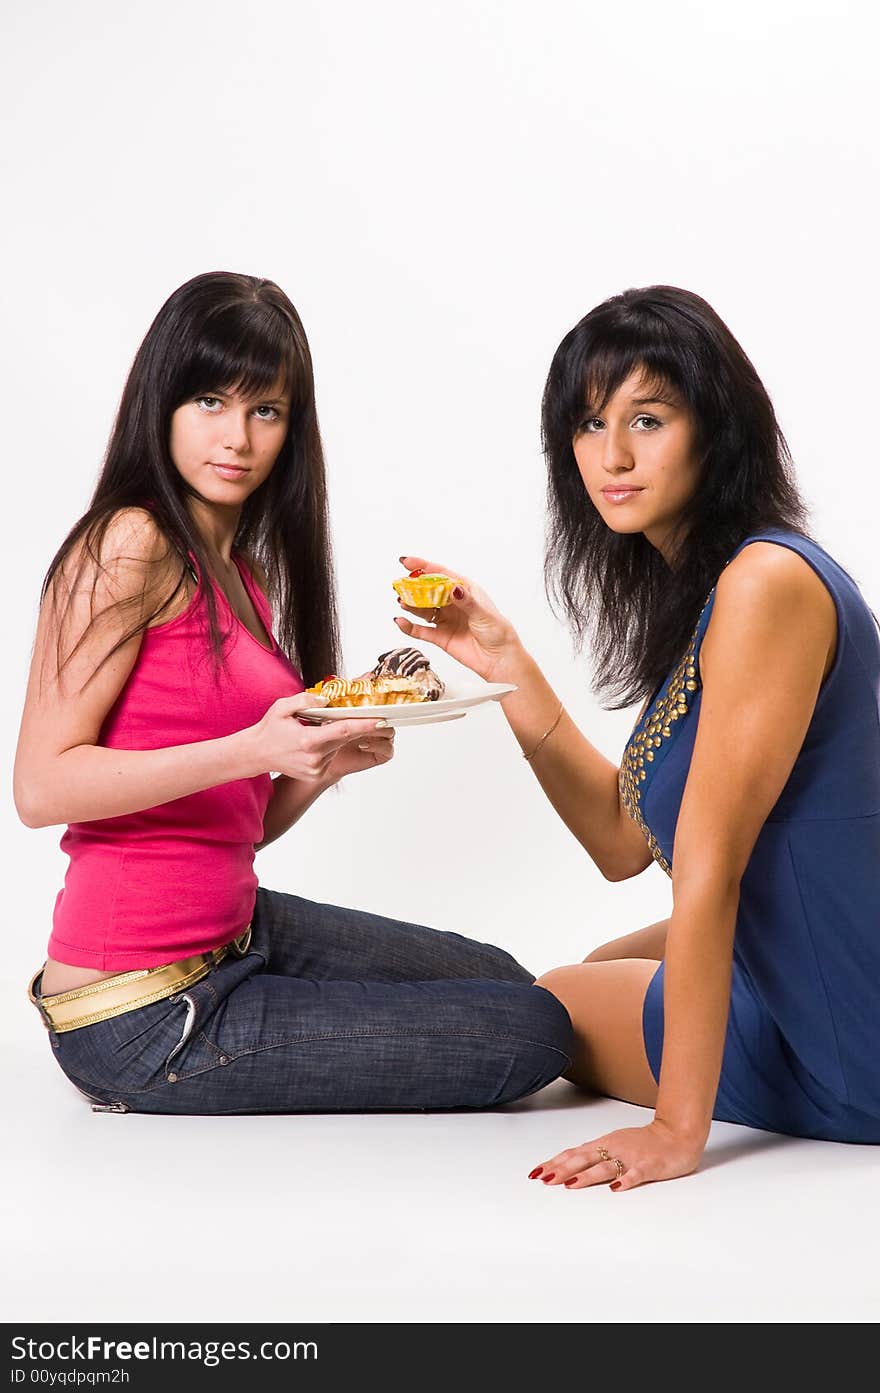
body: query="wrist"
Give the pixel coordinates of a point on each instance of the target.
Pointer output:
(692, 1132)
(513, 664)
(245, 757)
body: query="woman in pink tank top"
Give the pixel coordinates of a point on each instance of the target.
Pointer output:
(181, 619)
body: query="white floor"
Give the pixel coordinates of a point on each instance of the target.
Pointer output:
(397, 1217)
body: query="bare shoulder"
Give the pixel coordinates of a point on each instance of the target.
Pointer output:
(130, 536)
(127, 559)
(133, 534)
(770, 593)
(779, 573)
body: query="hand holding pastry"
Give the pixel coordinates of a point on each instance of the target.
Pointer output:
(467, 625)
(314, 753)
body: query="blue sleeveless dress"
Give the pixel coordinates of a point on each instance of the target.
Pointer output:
(802, 1051)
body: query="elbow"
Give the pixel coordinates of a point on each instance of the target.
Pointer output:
(27, 804)
(617, 874)
(29, 816)
(611, 873)
(702, 885)
(618, 870)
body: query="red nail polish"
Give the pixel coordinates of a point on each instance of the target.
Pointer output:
(457, 592)
(551, 1176)
(533, 1175)
(616, 1185)
(573, 1181)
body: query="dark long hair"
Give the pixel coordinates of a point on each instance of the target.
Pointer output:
(640, 611)
(223, 331)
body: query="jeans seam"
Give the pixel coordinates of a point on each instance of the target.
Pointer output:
(338, 1035)
(390, 1034)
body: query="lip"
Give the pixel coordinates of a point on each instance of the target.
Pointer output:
(229, 471)
(621, 494)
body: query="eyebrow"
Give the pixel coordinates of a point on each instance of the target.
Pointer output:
(261, 401)
(652, 401)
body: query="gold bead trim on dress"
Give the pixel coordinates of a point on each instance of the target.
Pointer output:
(649, 736)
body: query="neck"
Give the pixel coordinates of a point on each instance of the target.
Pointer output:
(668, 541)
(217, 527)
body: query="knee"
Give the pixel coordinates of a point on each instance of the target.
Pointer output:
(557, 981)
(543, 1051)
(550, 1020)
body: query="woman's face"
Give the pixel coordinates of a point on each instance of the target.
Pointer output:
(638, 460)
(225, 446)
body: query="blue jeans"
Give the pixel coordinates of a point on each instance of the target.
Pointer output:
(330, 1010)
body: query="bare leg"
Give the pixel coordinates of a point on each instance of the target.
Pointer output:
(649, 942)
(604, 1001)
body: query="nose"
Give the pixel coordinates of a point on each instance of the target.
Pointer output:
(616, 454)
(235, 433)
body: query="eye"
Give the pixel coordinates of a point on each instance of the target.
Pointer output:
(274, 416)
(590, 425)
(211, 408)
(651, 422)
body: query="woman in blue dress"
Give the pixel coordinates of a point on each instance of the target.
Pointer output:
(752, 776)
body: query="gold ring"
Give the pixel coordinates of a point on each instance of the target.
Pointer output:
(619, 1164)
(603, 1154)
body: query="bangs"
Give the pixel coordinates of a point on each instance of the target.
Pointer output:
(600, 362)
(246, 348)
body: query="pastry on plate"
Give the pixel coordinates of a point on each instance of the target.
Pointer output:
(339, 692)
(423, 590)
(400, 676)
(414, 667)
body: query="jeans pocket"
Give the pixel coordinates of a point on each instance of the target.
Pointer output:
(192, 1051)
(188, 1023)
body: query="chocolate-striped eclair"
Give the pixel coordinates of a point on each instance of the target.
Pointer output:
(413, 665)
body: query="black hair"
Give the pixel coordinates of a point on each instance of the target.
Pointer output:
(639, 609)
(222, 331)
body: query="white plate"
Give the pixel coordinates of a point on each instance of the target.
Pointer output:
(416, 713)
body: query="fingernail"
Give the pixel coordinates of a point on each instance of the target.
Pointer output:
(551, 1176)
(457, 592)
(363, 747)
(401, 559)
(573, 1181)
(533, 1175)
(380, 725)
(616, 1185)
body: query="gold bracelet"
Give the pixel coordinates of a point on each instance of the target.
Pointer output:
(546, 734)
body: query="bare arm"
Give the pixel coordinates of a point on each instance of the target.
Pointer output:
(753, 720)
(290, 798)
(579, 781)
(61, 773)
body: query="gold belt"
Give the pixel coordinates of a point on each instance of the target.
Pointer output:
(126, 991)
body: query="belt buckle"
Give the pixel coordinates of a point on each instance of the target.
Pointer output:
(241, 944)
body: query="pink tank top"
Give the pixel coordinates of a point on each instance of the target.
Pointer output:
(177, 879)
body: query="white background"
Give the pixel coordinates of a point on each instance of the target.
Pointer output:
(442, 190)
